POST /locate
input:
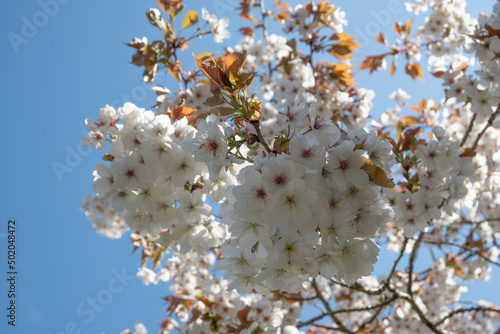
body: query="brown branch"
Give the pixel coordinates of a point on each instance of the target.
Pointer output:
(264, 30)
(465, 249)
(264, 14)
(465, 310)
(398, 294)
(490, 123)
(311, 321)
(401, 253)
(297, 299)
(329, 309)
(417, 309)
(366, 308)
(358, 287)
(327, 327)
(411, 264)
(482, 221)
(256, 125)
(370, 320)
(385, 285)
(469, 129)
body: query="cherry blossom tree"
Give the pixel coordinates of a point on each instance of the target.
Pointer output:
(263, 184)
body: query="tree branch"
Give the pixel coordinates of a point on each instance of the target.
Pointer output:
(411, 264)
(256, 125)
(464, 248)
(469, 129)
(329, 309)
(465, 310)
(490, 123)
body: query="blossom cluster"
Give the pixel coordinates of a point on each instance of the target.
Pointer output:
(195, 289)
(152, 181)
(307, 213)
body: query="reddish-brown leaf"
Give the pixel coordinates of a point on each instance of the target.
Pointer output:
(407, 27)
(416, 109)
(410, 120)
(393, 67)
(438, 74)
(422, 104)
(397, 28)
(247, 31)
(342, 37)
(284, 6)
(372, 63)
(162, 5)
(493, 32)
(343, 49)
(414, 70)
(468, 152)
(181, 111)
(381, 38)
(282, 16)
(214, 72)
(234, 61)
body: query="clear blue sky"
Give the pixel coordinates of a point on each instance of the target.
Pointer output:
(54, 75)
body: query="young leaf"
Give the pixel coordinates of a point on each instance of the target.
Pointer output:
(381, 38)
(175, 74)
(397, 28)
(284, 6)
(162, 5)
(393, 67)
(205, 55)
(342, 37)
(414, 71)
(410, 120)
(234, 61)
(407, 26)
(181, 111)
(190, 19)
(377, 175)
(468, 152)
(213, 72)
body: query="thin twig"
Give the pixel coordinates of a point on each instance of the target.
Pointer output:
(401, 253)
(327, 327)
(366, 308)
(264, 30)
(490, 123)
(256, 125)
(359, 287)
(411, 264)
(263, 12)
(464, 249)
(465, 310)
(329, 309)
(469, 129)
(368, 321)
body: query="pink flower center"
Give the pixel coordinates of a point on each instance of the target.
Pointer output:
(213, 145)
(344, 164)
(130, 173)
(260, 193)
(306, 153)
(279, 180)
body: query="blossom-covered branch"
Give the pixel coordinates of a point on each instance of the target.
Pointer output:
(268, 164)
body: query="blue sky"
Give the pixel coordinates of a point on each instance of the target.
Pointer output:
(54, 75)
